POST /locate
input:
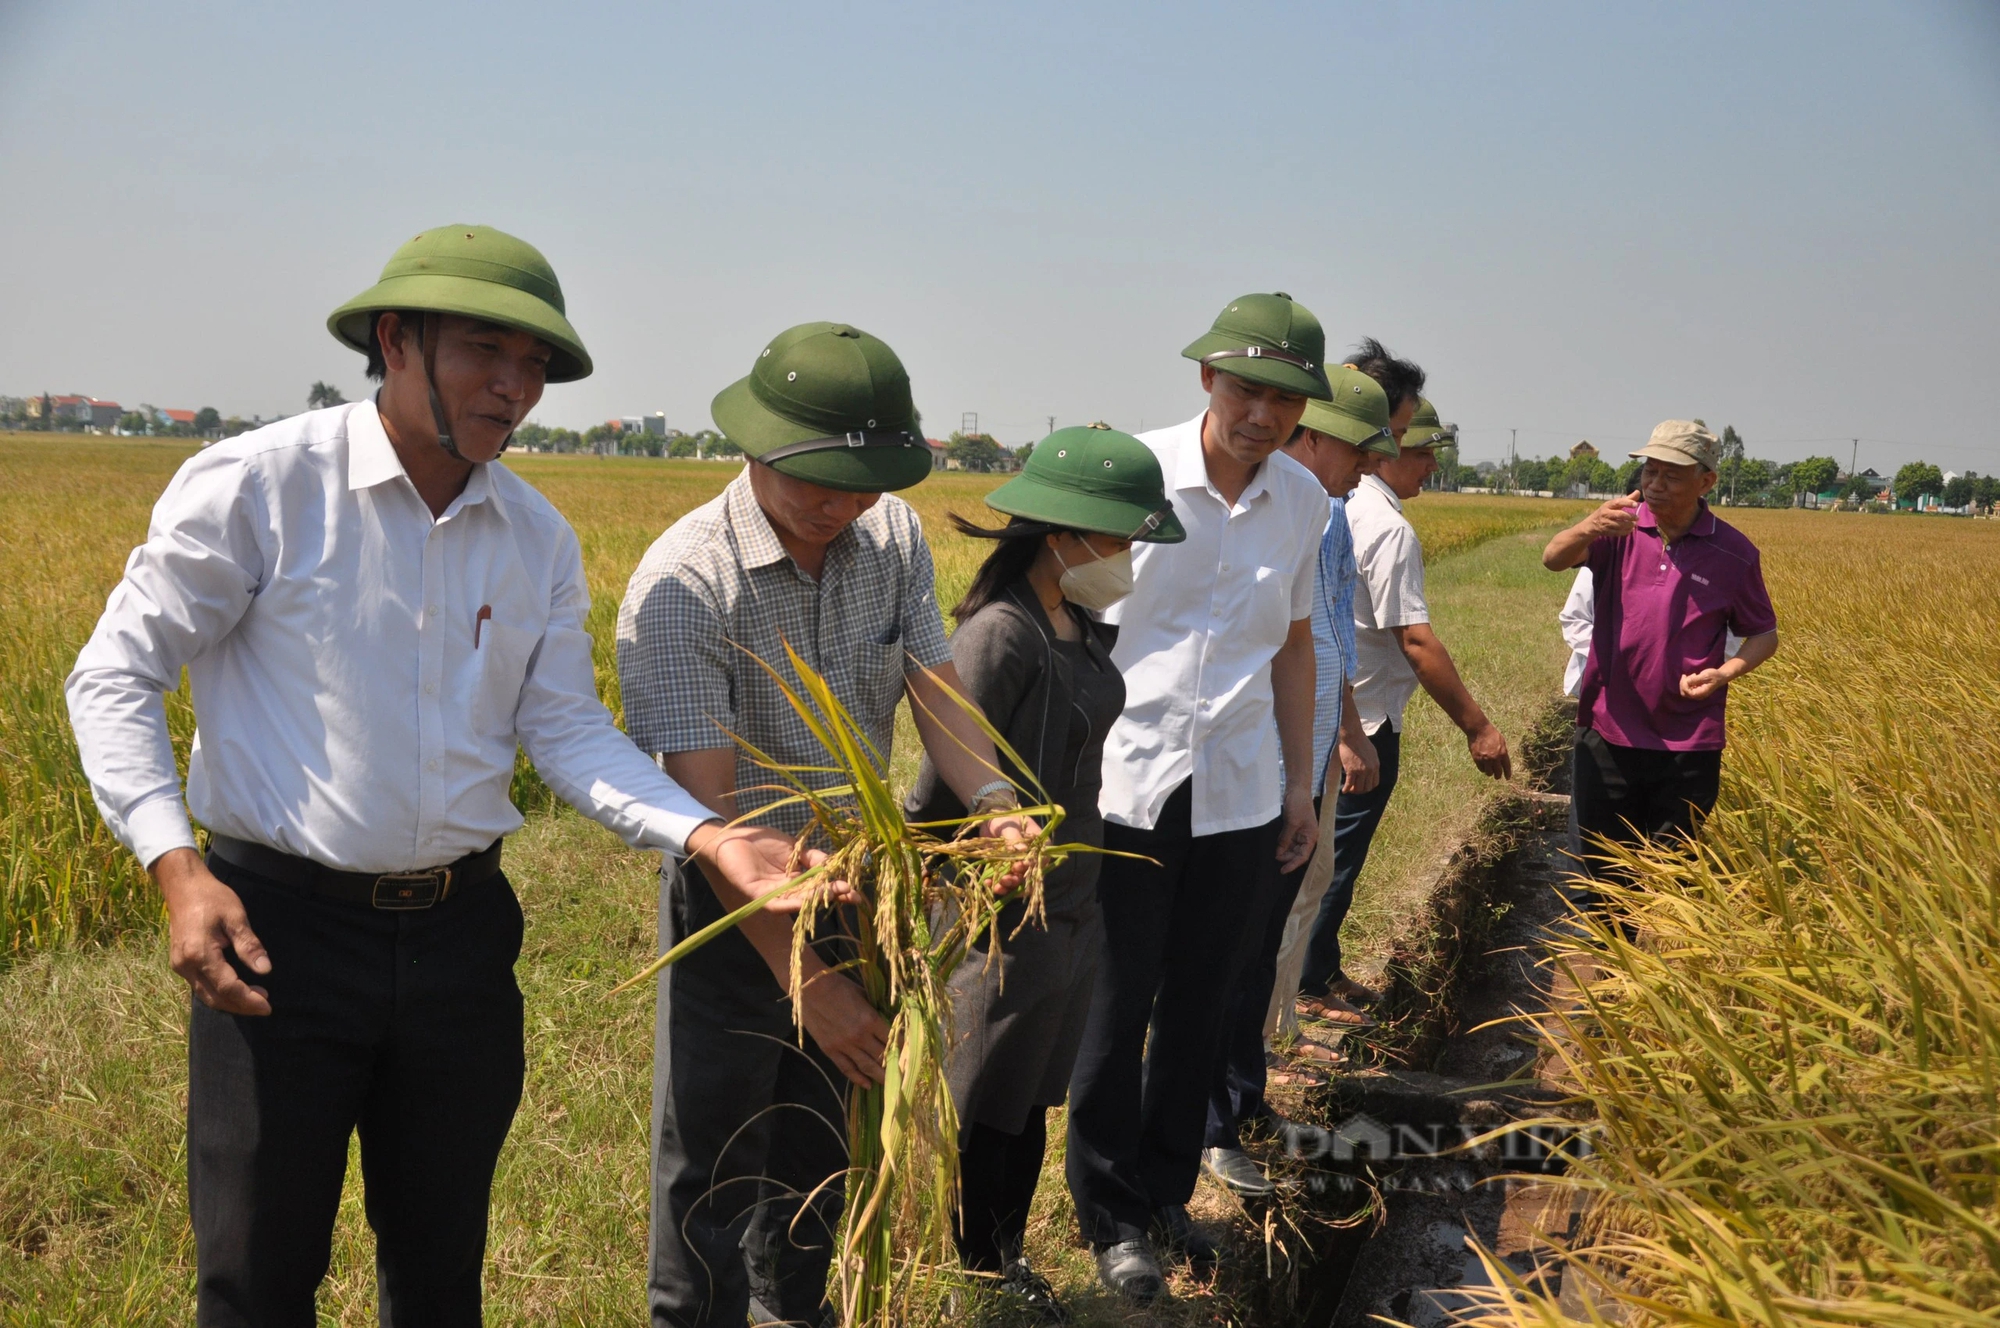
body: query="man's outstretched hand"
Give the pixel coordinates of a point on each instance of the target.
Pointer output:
(754, 860)
(205, 920)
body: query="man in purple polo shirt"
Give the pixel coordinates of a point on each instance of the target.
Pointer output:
(1671, 582)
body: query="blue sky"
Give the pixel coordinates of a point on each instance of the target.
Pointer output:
(1580, 218)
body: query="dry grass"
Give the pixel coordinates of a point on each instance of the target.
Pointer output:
(1798, 1066)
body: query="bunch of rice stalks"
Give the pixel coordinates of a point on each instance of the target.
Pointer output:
(927, 894)
(1797, 1066)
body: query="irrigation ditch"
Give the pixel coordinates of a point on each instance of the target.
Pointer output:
(1377, 1224)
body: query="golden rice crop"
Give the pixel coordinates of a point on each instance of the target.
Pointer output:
(73, 508)
(70, 512)
(1797, 1067)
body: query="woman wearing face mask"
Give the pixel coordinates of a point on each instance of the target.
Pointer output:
(1032, 654)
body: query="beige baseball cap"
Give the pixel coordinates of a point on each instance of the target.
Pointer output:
(1683, 443)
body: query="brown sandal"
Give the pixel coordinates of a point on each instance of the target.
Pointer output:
(1280, 1073)
(1319, 1054)
(1331, 1009)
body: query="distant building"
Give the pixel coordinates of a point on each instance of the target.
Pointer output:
(1583, 451)
(181, 417)
(938, 461)
(627, 424)
(61, 410)
(104, 415)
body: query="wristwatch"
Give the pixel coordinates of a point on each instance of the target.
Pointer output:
(997, 795)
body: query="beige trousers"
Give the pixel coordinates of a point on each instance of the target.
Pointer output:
(1282, 1019)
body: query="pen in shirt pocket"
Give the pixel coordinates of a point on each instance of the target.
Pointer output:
(479, 621)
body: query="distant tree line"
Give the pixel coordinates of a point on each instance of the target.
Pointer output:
(1743, 480)
(610, 440)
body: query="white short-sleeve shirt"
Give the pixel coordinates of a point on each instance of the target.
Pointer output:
(1388, 593)
(1196, 637)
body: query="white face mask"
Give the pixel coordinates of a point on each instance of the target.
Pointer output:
(1099, 584)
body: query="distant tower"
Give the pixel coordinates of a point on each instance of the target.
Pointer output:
(969, 423)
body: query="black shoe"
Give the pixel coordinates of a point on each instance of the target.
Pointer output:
(1130, 1269)
(1180, 1238)
(1025, 1287)
(1235, 1172)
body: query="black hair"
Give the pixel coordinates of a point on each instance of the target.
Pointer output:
(1402, 380)
(1016, 546)
(378, 363)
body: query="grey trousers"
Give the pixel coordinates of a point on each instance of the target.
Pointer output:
(749, 1135)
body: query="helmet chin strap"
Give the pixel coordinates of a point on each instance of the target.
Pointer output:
(428, 344)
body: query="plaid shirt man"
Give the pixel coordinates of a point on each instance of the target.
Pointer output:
(719, 580)
(1333, 634)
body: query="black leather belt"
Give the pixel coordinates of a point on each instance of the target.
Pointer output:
(395, 891)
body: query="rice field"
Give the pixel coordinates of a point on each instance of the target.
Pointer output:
(1797, 1065)
(72, 508)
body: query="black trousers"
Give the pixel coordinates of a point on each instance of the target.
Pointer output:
(1138, 1098)
(1356, 816)
(404, 1026)
(997, 1175)
(1632, 794)
(746, 1125)
(1236, 1096)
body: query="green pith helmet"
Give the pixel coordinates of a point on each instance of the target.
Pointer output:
(1425, 431)
(1267, 339)
(476, 272)
(829, 404)
(1093, 478)
(1358, 412)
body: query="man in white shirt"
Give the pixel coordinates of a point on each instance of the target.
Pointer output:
(1215, 643)
(372, 617)
(1396, 652)
(1339, 441)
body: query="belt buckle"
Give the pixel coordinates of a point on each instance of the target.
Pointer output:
(400, 892)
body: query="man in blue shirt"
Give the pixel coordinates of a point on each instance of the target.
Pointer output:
(1339, 441)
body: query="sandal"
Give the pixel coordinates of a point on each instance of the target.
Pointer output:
(1319, 1054)
(1331, 1009)
(1280, 1073)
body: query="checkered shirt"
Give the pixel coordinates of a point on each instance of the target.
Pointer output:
(719, 579)
(1333, 634)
